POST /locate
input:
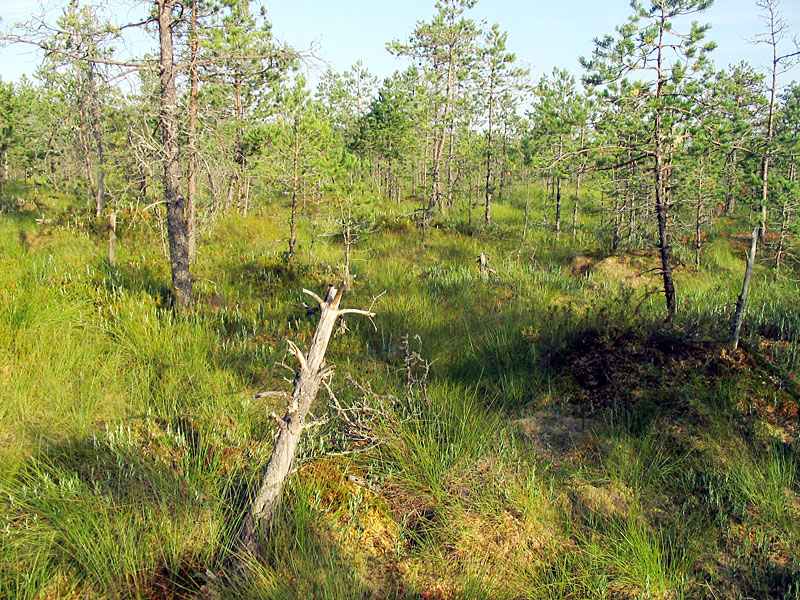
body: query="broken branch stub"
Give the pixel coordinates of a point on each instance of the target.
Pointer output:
(308, 378)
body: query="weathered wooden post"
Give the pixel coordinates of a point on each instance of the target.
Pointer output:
(742, 301)
(308, 378)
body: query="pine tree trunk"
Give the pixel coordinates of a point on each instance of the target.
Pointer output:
(451, 146)
(87, 163)
(782, 238)
(765, 161)
(176, 222)
(525, 224)
(617, 227)
(558, 207)
(239, 155)
(664, 249)
(503, 157)
(575, 209)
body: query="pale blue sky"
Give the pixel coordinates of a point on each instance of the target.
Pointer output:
(542, 34)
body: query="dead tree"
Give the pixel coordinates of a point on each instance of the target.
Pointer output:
(310, 375)
(742, 301)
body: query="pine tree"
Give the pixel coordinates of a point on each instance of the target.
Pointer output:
(665, 62)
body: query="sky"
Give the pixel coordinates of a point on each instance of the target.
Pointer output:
(542, 33)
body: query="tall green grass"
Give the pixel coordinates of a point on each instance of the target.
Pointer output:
(129, 438)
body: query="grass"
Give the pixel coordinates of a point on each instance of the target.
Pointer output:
(129, 438)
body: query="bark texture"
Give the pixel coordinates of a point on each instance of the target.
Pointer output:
(176, 222)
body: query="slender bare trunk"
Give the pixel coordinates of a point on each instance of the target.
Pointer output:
(87, 163)
(765, 161)
(239, 156)
(617, 225)
(698, 225)
(440, 129)
(247, 195)
(231, 190)
(451, 145)
(503, 156)
(741, 303)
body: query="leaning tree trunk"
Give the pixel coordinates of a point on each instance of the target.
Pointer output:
(307, 381)
(176, 223)
(741, 303)
(660, 184)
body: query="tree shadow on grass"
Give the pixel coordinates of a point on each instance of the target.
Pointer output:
(120, 521)
(137, 278)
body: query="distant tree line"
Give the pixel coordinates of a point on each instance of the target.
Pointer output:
(220, 119)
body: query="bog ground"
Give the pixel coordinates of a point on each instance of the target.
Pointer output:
(540, 432)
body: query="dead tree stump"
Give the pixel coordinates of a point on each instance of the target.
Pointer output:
(483, 265)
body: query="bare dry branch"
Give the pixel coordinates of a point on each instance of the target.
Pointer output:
(298, 354)
(270, 394)
(281, 422)
(319, 300)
